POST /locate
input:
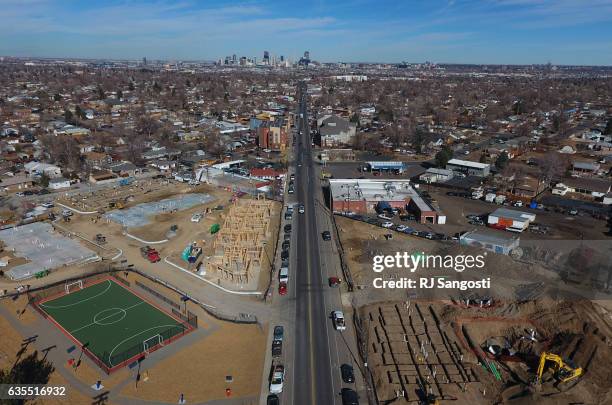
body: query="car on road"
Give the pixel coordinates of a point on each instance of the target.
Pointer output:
(326, 235)
(292, 177)
(196, 217)
(334, 281)
(387, 224)
(349, 397)
(282, 288)
(338, 320)
(44, 191)
(287, 228)
(278, 378)
(348, 376)
(279, 332)
(277, 348)
(301, 209)
(272, 400)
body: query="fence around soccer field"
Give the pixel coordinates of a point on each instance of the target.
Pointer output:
(189, 321)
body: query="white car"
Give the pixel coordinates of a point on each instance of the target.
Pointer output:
(387, 224)
(278, 378)
(196, 217)
(338, 320)
(383, 216)
(47, 204)
(401, 228)
(301, 209)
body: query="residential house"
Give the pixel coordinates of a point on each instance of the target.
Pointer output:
(59, 183)
(590, 188)
(39, 168)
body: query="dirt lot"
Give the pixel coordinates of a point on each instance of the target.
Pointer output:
(580, 332)
(562, 226)
(11, 346)
(232, 350)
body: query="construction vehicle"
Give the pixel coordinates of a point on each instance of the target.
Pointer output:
(563, 372)
(150, 254)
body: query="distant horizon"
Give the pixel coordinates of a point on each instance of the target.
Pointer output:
(500, 32)
(139, 59)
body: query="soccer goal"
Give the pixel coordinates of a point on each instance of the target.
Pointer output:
(73, 286)
(151, 342)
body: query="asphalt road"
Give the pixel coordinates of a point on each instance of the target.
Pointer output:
(312, 383)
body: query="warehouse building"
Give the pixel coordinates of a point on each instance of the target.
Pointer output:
(495, 243)
(510, 220)
(363, 196)
(469, 168)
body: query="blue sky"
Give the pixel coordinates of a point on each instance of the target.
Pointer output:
(453, 31)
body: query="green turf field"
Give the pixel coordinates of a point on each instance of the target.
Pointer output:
(111, 320)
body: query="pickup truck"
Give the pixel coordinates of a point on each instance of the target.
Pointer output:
(150, 254)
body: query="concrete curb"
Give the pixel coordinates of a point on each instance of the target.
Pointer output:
(210, 282)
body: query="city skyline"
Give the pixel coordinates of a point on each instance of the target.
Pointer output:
(492, 32)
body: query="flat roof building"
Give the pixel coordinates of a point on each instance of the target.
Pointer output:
(492, 242)
(469, 168)
(364, 195)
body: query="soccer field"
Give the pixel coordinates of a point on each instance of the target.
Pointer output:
(112, 322)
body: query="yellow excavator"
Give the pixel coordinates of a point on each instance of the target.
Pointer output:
(563, 372)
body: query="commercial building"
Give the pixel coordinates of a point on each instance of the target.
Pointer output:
(363, 196)
(273, 135)
(496, 243)
(435, 175)
(510, 220)
(469, 168)
(336, 131)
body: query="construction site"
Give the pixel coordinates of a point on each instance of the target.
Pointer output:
(526, 340)
(239, 251)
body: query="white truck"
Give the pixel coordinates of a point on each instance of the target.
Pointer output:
(490, 197)
(499, 199)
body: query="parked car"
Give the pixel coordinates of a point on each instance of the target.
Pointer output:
(283, 275)
(196, 217)
(348, 376)
(278, 378)
(338, 320)
(286, 244)
(48, 204)
(408, 217)
(385, 216)
(349, 397)
(326, 236)
(279, 332)
(272, 400)
(287, 228)
(387, 224)
(285, 254)
(282, 288)
(277, 348)
(573, 211)
(401, 228)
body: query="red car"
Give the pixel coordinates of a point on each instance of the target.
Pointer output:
(282, 289)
